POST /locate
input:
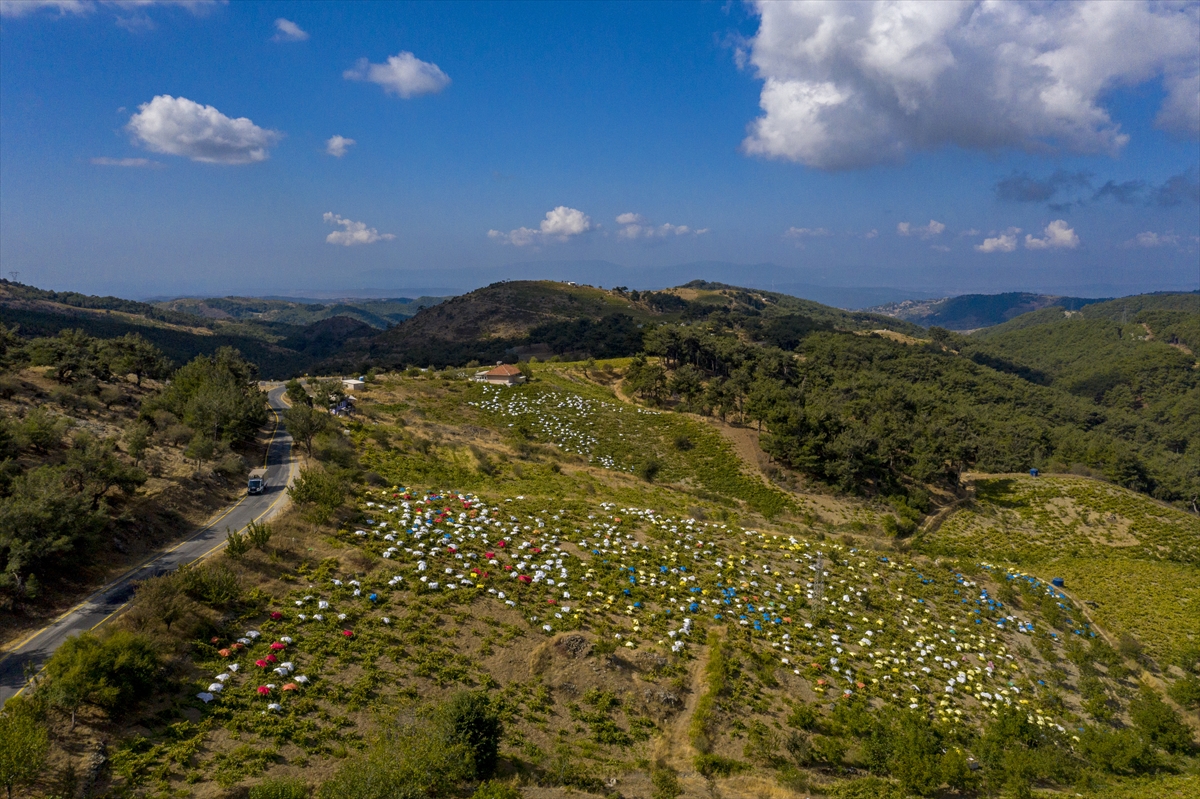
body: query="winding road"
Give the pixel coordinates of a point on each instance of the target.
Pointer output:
(28, 655)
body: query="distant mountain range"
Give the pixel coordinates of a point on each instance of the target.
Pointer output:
(973, 311)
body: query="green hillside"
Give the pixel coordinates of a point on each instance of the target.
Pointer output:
(277, 349)
(474, 558)
(1132, 360)
(1136, 562)
(381, 313)
(519, 319)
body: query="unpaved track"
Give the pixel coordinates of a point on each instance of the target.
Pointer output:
(675, 748)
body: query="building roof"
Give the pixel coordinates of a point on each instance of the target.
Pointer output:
(507, 370)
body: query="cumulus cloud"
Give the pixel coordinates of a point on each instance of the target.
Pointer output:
(850, 84)
(560, 224)
(636, 226)
(806, 232)
(934, 228)
(1152, 239)
(338, 145)
(353, 233)
(288, 31)
(403, 74)
(1056, 236)
(126, 162)
(870, 234)
(1004, 242)
(178, 126)
(1178, 113)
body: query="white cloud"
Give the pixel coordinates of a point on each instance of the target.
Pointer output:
(126, 162)
(559, 225)
(178, 126)
(288, 31)
(806, 232)
(970, 232)
(871, 234)
(934, 228)
(353, 233)
(1057, 237)
(404, 75)
(635, 226)
(1152, 239)
(1004, 242)
(20, 8)
(939, 247)
(338, 145)
(849, 84)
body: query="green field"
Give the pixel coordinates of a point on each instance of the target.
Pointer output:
(1136, 559)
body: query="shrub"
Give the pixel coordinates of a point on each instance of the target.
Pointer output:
(231, 465)
(259, 535)
(214, 584)
(664, 784)
(1159, 721)
(108, 673)
(475, 724)
(237, 544)
(711, 765)
(416, 761)
(318, 493)
(1118, 751)
(23, 746)
(1186, 691)
(649, 469)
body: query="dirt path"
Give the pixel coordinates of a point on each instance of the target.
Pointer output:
(744, 441)
(675, 748)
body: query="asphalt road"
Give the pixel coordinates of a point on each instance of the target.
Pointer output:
(27, 656)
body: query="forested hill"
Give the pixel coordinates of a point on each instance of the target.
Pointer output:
(866, 402)
(278, 349)
(380, 313)
(974, 311)
(508, 320)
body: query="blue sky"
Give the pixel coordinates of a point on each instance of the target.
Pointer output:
(153, 149)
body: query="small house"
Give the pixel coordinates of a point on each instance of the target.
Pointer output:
(502, 375)
(354, 384)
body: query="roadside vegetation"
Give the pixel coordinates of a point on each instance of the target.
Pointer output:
(92, 441)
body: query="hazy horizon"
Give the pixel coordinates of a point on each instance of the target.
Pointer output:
(267, 148)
